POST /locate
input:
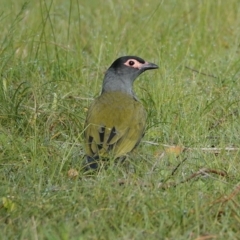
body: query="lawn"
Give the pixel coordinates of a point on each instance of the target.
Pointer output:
(183, 180)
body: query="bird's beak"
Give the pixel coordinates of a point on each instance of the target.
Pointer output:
(147, 65)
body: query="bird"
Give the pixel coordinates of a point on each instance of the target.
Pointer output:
(116, 120)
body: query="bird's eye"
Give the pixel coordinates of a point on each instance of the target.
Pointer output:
(131, 63)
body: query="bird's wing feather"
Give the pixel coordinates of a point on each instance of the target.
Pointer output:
(116, 122)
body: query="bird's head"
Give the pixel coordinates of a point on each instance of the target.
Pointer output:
(122, 73)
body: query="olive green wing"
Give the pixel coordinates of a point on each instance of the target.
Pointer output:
(115, 123)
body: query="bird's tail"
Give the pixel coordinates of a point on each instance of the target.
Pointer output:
(92, 162)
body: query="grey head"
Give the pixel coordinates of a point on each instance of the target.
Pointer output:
(122, 73)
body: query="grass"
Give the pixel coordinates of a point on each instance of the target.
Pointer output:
(53, 57)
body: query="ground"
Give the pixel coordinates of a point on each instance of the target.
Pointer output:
(182, 182)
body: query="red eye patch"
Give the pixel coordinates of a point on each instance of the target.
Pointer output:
(133, 63)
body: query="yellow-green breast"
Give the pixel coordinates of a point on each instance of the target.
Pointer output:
(114, 125)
